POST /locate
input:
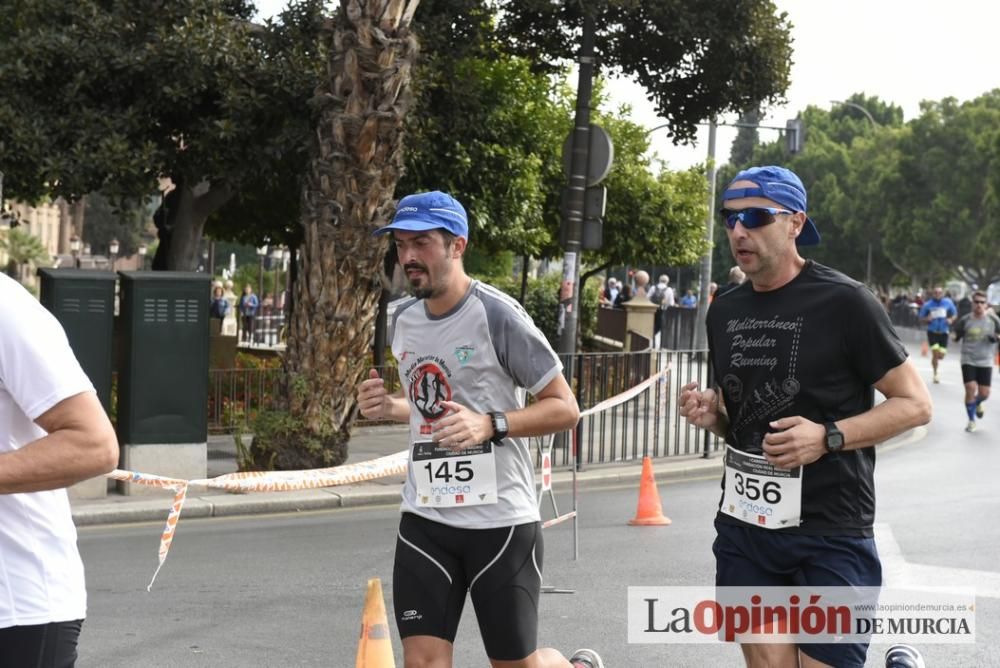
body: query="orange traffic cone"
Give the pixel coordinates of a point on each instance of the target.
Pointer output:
(923, 349)
(375, 647)
(649, 512)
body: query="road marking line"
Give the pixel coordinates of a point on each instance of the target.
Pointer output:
(898, 573)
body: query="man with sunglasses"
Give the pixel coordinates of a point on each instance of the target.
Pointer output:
(978, 331)
(796, 351)
(938, 312)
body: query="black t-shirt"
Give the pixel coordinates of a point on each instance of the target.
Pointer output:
(814, 348)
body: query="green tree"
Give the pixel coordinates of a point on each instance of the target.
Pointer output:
(112, 95)
(842, 165)
(695, 60)
(495, 117)
(354, 168)
(106, 222)
(947, 204)
(650, 218)
(21, 250)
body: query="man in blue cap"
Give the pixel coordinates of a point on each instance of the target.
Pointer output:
(796, 351)
(467, 354)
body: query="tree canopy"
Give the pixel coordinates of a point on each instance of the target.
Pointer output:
(695, 60)
(112, 95)
(921, 195)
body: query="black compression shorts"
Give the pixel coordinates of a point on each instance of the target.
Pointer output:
(437, 564)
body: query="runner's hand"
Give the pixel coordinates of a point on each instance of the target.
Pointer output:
(373, 400)
(701, 408)
(797, 442)
(461, 427)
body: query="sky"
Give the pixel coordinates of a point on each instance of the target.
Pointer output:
(902, 51)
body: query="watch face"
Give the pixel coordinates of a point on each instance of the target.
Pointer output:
(834, 441)
(501, 421)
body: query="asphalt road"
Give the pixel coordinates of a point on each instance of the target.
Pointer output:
(288, 590)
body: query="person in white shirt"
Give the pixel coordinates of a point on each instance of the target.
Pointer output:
(53, 433)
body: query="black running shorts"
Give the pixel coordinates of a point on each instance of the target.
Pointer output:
(437, 564)
(981, 375)
(938, 339)
(50, 645)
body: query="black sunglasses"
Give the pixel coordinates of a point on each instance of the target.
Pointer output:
(751, 217)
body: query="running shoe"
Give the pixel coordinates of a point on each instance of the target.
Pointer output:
(971, 427)
(936, 379)
(979, 410)
(903, 656)
(586, 658)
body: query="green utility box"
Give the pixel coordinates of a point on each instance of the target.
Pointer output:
(83, 301)
(163, 379)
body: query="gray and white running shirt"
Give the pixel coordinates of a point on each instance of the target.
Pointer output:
(979, 337)
(483, 354)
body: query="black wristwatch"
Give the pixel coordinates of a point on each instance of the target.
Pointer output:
(834, 438)
(500, 427)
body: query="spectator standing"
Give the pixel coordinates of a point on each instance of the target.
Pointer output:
(219, 308)
(736, 279)
(609, 296)
(248, 306)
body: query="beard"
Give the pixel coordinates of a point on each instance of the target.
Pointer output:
(425, 291)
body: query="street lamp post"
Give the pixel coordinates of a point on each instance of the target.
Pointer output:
(701, 333)
(261, 254)
(74, 249)
(143, 249)
(286, 259)
(871, 120)
(276, 256)
(113, 252)
(853, 105)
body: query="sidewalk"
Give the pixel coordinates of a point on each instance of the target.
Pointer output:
(366, 443)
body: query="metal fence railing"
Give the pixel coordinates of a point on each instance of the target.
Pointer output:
(236, 396)
(648, 424)
(265, 330)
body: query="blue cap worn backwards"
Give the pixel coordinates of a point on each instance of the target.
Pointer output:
(433, 210)
(778, 185)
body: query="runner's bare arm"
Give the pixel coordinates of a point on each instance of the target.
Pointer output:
(704, 409)
(376, 403)
(907, 405)
(798, 441)
(80, 444)
(554, 410)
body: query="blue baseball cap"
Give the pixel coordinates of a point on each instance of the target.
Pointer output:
(433, 210)
(778, 185)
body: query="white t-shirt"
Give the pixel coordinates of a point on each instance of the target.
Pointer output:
(483, 354)
(41, 574)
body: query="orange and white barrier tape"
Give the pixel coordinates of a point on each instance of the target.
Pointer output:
(260, 481)
(628, 394)
(287, 481)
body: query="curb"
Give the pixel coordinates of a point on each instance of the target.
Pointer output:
(155, 508)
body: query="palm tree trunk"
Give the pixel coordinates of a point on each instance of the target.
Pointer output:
(357, 160)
